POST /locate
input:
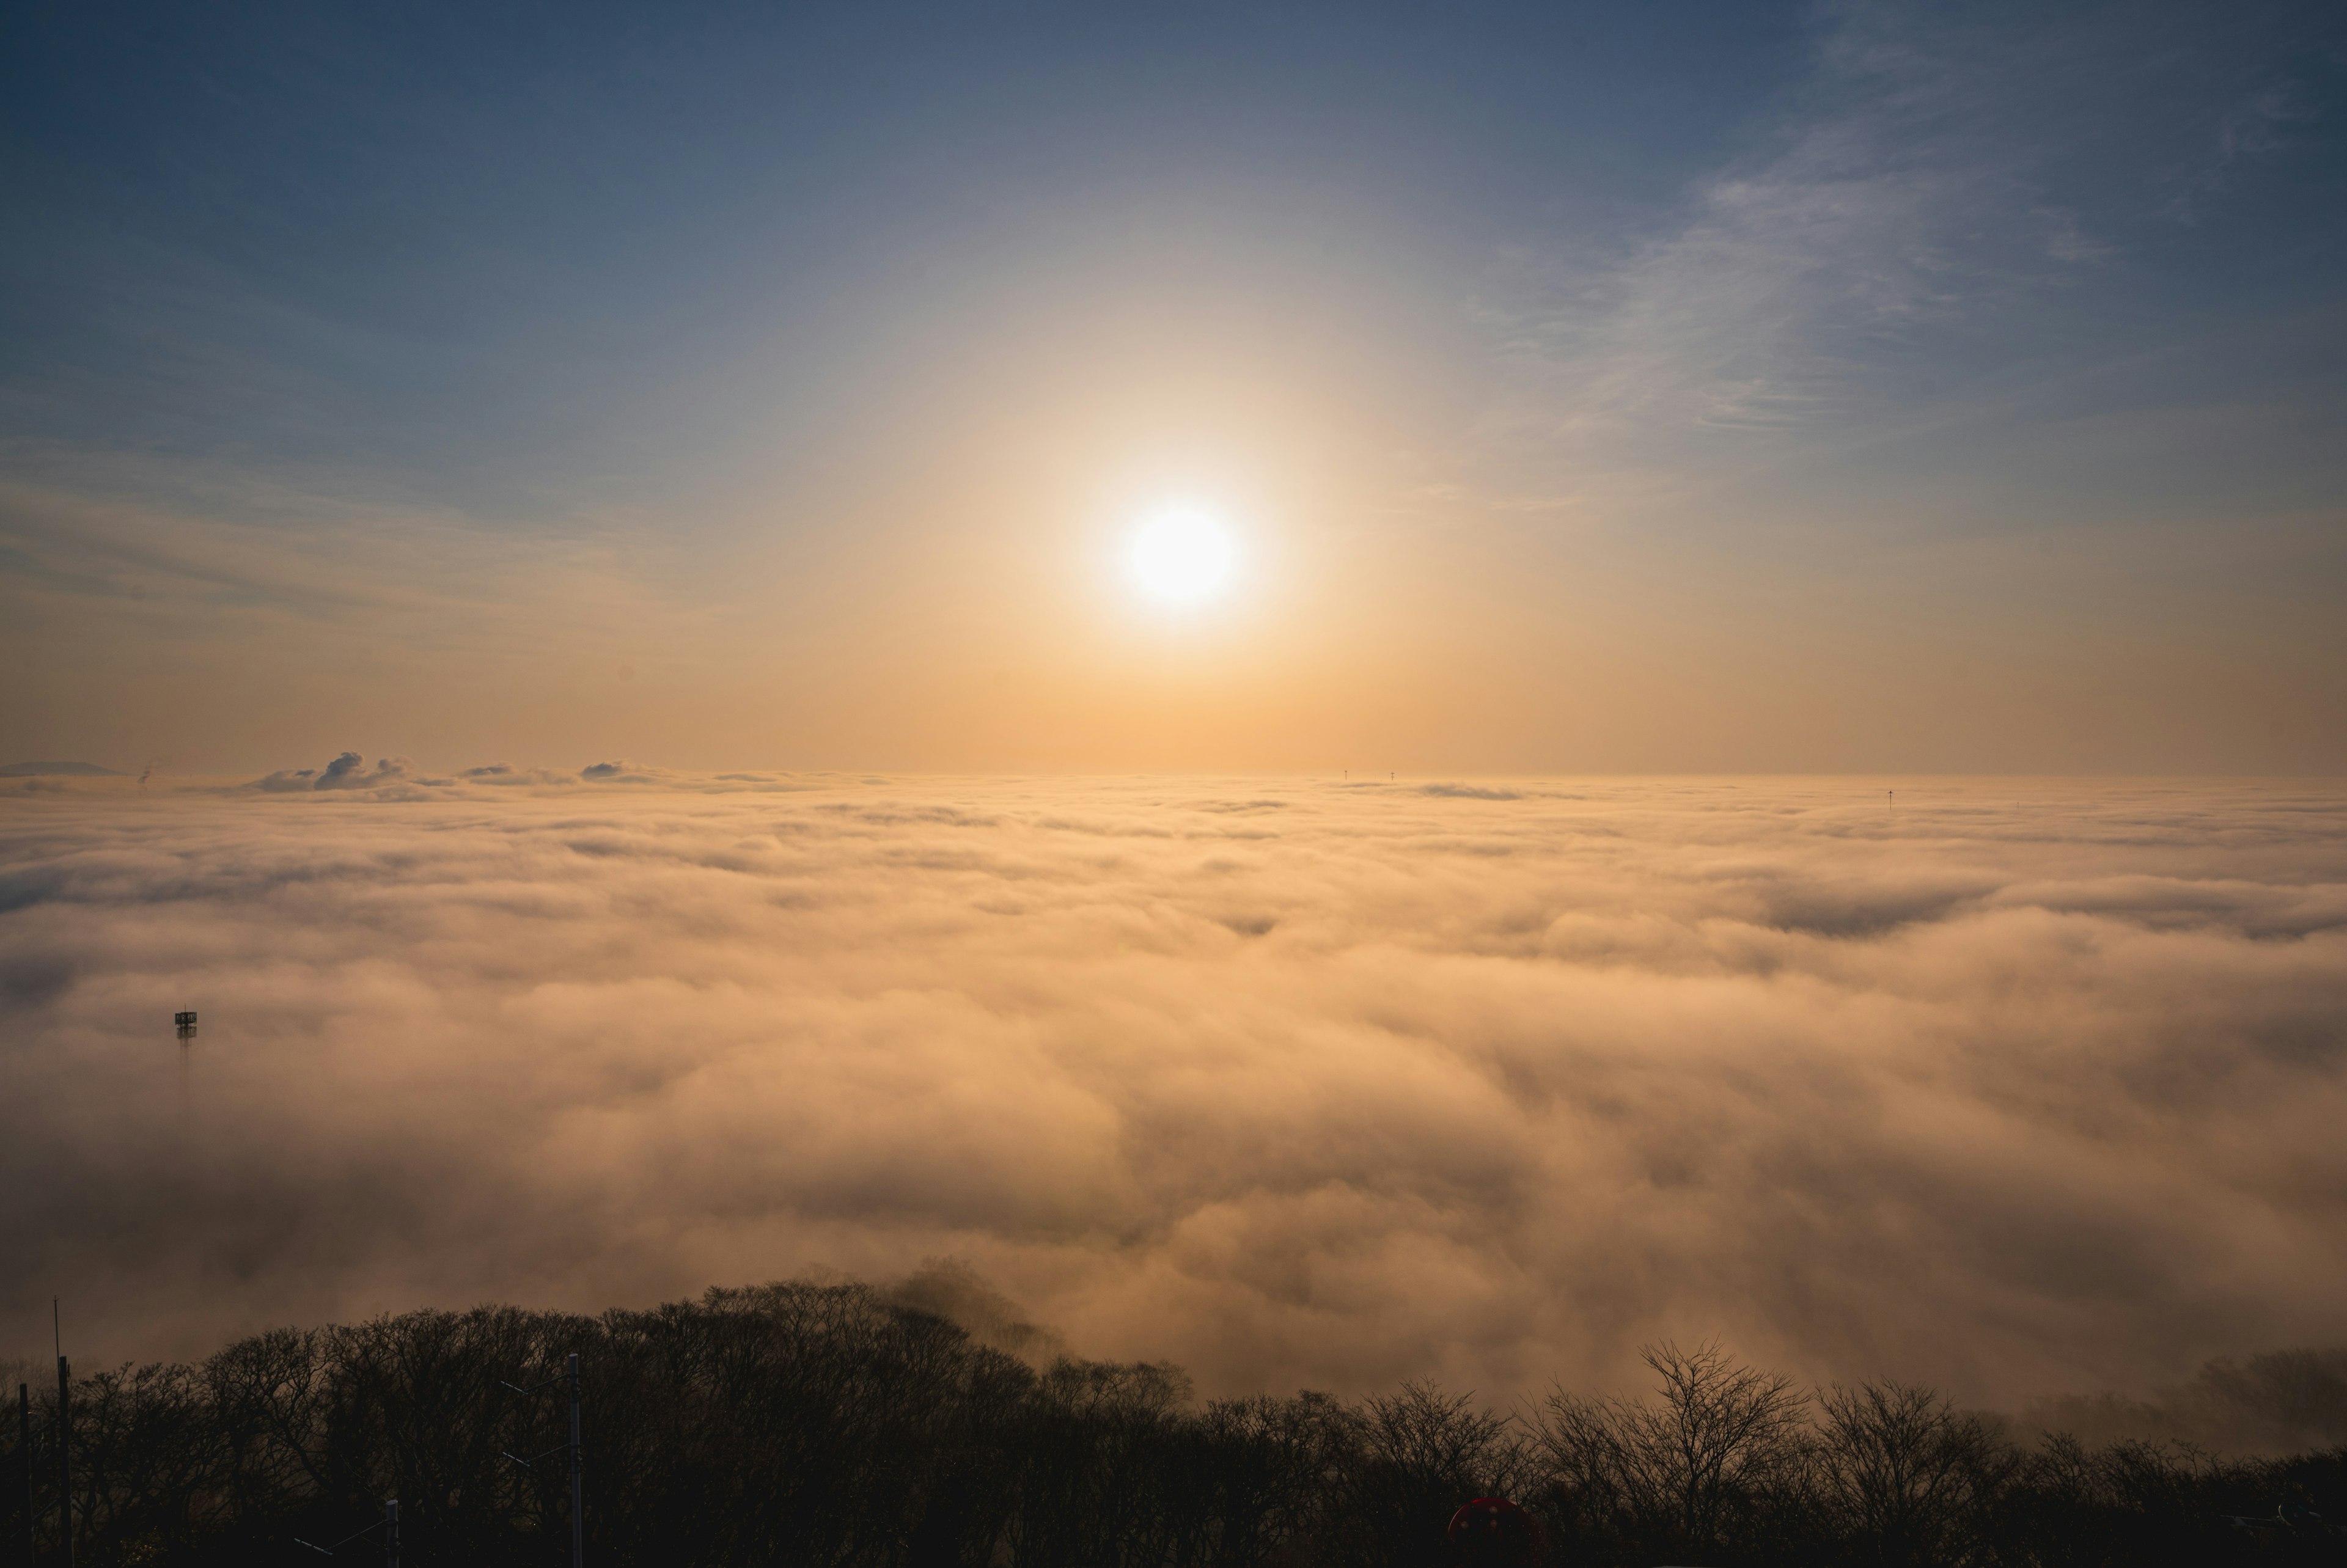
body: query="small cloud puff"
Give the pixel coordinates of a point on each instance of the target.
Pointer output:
(623, 773)
(347, 771)
(395, 778)
(505, 775)
(1468, 791)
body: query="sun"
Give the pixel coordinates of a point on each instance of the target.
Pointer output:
(1180, 556)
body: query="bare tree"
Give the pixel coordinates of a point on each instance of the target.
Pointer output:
(1724, 1443)
(1907, 1475)
(1415, 1456)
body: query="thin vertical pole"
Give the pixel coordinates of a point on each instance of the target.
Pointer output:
(578, 1522)
(24, 1452)
(391, 1534)
(65, 1466)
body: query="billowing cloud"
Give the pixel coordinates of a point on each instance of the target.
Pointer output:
(348, 771)
(2015, 1088)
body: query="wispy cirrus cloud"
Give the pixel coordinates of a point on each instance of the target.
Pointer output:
(1914, 221)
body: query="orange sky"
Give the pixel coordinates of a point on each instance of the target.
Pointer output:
(1588, 392)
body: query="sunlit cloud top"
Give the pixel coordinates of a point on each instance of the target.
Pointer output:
(2013, 1087)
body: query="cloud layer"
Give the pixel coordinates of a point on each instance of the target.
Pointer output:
(2018, 1088)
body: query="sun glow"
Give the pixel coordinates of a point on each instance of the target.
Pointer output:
(1180, 556)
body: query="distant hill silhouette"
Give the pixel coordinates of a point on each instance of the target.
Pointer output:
(45, 770)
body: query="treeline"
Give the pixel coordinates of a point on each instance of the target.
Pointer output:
(803, 1424)
(2284, 1401)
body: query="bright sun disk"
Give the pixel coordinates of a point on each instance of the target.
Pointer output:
(1181, 557)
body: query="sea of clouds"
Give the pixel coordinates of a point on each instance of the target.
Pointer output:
(2015, 1087)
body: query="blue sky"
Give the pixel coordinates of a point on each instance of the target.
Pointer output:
(415, 241)
(792, 359)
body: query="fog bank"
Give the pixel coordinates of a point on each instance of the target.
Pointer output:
(2019, 1089)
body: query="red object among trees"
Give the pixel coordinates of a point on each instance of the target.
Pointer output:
(1493, 1532)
